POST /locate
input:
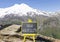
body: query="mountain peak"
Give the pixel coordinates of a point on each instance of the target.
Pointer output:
(16, 9)
(19, 9)
(22, 4)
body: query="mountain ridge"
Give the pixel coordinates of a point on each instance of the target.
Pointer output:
(21, 9)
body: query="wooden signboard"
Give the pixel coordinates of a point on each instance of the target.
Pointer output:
(29, 28)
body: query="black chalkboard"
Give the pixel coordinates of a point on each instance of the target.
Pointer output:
(29, 28)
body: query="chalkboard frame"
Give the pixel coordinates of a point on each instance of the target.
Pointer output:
(29, 33)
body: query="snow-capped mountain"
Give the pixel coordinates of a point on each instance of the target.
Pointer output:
(21, 9)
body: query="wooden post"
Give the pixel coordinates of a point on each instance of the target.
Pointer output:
(27, 35)
(24, 39)
(33, 38)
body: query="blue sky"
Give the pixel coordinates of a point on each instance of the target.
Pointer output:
(45, 5)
